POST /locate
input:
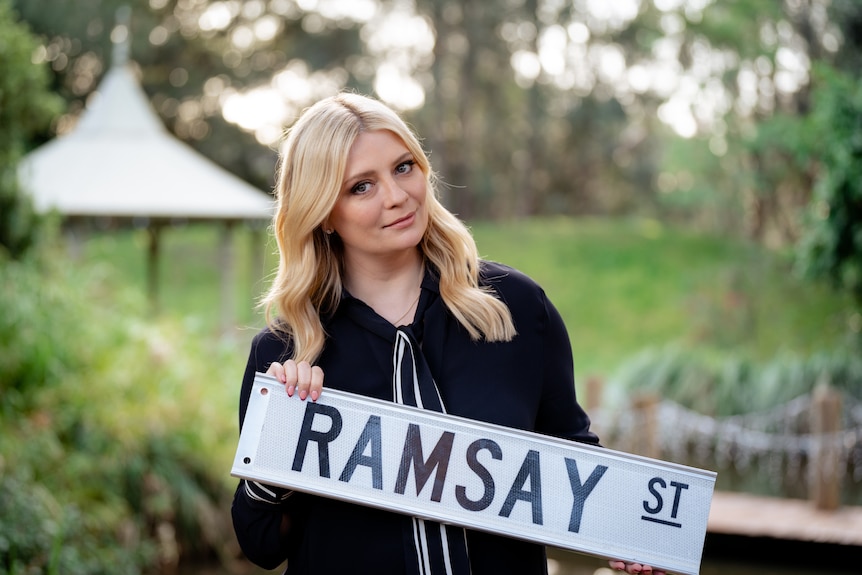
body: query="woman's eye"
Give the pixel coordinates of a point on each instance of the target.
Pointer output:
(405, 167)
(361, 187)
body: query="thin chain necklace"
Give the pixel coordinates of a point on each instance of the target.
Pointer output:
(398, 321)
(416, 301)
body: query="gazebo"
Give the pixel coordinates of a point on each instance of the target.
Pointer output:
(121, 163)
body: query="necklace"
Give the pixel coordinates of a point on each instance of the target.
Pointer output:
(397, 321)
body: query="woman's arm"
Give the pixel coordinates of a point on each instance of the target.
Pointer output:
(263, 515)
(560, 414)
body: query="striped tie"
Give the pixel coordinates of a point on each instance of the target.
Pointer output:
(440, 549)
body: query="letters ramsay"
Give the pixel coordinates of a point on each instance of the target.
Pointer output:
(526, 486)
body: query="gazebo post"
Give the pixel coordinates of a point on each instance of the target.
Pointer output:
(154, 231)
(256, 258)
(227, 268)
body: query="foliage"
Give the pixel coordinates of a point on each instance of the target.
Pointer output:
(21, 543)
(19, 221)
(26, 108)
(41, 312)
(115, 433)
(832, 245)
(691, 185)
(750, 421)
(57, 537)
(783, 152)
(573, 129)
(186, 69)
(721, 384)
(26, 104)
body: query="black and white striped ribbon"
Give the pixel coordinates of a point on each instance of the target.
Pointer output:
(440, 549)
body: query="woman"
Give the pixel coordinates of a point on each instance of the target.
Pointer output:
(372, 266)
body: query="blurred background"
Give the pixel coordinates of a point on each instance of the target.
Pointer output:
(684, 177)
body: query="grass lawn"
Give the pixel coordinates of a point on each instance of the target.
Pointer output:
(620, 285)
(623, 286)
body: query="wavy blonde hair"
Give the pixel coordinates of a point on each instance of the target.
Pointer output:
(308, 282)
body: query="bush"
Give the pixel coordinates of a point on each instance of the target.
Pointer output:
(42, 329)
(23, 545)
(723, 385)
(40, 532)
(114, 424)
(27, 106)
(832, 244)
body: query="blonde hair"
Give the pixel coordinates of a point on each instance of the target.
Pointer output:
(308, 282)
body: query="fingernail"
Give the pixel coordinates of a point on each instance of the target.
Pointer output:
(302, 395)
(314, 395)
(290, 390)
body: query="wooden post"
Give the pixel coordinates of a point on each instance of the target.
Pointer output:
(154, 231)
(228, 278)
(824, 475)
(593, 393)
(645, 440)
(258, 273)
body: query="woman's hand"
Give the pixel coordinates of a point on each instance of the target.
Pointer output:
(302, 378)
(634, 568)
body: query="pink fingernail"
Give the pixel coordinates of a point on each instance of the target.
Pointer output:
(314, 396)
(290, 390)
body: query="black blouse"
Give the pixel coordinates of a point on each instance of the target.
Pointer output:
(527, 383)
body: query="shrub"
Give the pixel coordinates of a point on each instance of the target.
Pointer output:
(114, 422)
(724, 385)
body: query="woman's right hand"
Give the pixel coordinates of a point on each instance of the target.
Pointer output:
(634, 568)
(298, 377)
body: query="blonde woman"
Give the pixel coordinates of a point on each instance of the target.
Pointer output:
(373, 267)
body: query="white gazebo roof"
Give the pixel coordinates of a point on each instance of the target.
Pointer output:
(120, 161)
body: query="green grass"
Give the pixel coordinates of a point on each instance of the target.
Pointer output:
(621, 285)
(189, 269)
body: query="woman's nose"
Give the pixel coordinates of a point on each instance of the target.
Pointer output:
(393, 193)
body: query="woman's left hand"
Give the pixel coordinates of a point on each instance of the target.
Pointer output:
(299, 378)
(634, 568)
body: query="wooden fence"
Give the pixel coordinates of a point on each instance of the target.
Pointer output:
(819, 435)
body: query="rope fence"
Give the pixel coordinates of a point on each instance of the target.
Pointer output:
(815, 438)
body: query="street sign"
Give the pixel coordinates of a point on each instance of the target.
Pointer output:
(481, 476)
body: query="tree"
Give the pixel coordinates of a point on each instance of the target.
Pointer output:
(529, 107)
(26, 108)
(191, 56)
(831, 246)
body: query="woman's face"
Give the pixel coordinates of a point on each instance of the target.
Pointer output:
(380, 211)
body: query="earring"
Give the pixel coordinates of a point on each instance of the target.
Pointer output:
(328, 232)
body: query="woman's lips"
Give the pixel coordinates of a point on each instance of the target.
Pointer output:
(402, 222)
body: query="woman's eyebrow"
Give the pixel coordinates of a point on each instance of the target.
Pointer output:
(359, 176)
(403, 157)
(368, 173)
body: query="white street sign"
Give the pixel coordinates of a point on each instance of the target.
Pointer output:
(455, 470)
